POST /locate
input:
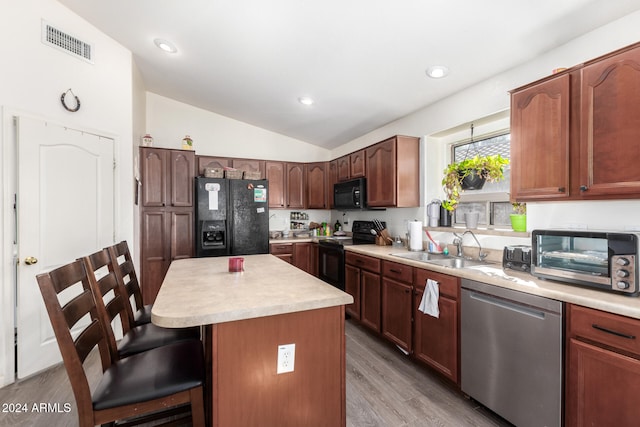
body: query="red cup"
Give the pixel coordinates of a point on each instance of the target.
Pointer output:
(236, 264)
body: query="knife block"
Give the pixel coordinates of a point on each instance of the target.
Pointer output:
(383, 239)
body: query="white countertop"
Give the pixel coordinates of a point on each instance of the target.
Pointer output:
(519, 281)
(201, 291)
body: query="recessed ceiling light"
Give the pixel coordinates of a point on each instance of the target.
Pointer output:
(165, 45)
(305, 100)
(437, 71)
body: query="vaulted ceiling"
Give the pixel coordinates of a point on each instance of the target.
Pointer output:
(362, 61)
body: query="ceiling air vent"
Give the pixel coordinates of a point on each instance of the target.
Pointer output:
(54, 37)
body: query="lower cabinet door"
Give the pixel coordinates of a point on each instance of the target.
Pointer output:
(396, 313)
(603, 387)
(352, 287)
(435, 339)
(370, 300)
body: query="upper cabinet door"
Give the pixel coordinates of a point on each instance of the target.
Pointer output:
(343, 168)
(540, 140)
(182, 173)
(317, 185)
(212, 162)
(249, 165)
(357, 164)
(381, 174)
(153, 168)
(610, 125)
(295, 186)
(275, 174)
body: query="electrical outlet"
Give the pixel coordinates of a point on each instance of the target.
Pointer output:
(286, 358)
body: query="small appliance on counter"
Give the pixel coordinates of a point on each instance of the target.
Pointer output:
(517, 257)
(600, 259)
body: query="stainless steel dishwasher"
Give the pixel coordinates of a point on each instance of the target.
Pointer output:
(511, 351)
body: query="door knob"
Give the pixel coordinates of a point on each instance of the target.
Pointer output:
(30, 260)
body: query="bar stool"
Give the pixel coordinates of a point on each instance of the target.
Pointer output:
(144, 385)
(125, 271)
(137, 339)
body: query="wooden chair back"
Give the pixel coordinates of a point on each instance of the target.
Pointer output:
(125, 271)
(113, 304)
(65, 316)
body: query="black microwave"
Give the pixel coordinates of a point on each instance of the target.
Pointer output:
(350, 195)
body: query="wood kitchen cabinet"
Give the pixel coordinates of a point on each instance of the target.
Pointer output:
(332, 178)
(397, 288)
(343, 165)
(295, 184)
(540, 153)
(362, 281)
(603, 368)
(166, 236)
(275, 173)
(284, 251)
(357, 162)
(576, 135)
(351, 166)
(393, 172)
(245, 165)
(167, 177)
(299, 254)
(212, 162)
(436, 341)
(302, 256)
(317, 185)
(166, 222)
(286, 185)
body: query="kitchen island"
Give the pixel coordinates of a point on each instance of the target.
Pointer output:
(247, 316)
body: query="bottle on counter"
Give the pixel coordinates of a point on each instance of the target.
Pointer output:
(338, 226)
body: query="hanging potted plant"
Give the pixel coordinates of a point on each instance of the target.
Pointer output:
(470, 174)
(519, 216)
(475, 169)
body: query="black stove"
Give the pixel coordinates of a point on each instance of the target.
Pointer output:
(361, 235)
(331, 255)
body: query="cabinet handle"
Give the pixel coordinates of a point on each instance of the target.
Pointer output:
(583, 188)
(609, 331)
(393, 270)
(406, 291)
(561, 189)
(358, 261)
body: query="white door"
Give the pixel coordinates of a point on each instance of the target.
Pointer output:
(65, 206)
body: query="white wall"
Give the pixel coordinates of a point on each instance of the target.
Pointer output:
(34, 76)
(168, 121)
(490, 97)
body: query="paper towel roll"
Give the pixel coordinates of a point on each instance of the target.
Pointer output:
(415, 235)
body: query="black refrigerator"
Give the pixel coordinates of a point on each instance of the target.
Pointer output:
(232, 217)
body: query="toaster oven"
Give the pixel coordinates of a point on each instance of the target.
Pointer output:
(599, 259)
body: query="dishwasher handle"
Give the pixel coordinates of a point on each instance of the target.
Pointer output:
(508, 305)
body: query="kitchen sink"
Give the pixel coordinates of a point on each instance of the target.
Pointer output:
(456, 262)
(438, 259)
(420, 256)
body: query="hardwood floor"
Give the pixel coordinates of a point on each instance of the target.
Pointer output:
(384, 388)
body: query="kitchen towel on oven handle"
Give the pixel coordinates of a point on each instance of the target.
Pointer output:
(429, 302)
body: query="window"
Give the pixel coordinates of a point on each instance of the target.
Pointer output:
(492, 201)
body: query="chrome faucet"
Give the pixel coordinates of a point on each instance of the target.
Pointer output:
(458, 242)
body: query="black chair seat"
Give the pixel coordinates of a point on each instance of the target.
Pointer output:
(150, 375)
(149, 336)
(143, 316)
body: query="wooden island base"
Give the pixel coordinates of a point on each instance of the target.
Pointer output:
(245, 389)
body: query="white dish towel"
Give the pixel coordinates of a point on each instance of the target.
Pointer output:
(429, 302)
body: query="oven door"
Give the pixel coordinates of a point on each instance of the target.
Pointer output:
(331, 263)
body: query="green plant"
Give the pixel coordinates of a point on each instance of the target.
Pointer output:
(490, 168)
(519, 208)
